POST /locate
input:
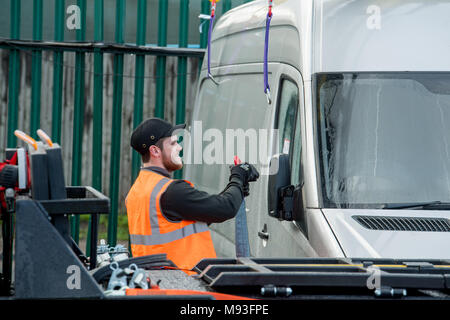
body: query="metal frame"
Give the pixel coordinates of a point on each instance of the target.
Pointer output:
(339, 277)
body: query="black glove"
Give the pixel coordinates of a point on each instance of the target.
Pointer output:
(246, 173)
(246, 190)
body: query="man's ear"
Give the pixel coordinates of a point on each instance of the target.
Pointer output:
(155, 152)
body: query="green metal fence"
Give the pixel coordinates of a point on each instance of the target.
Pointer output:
(15, 45)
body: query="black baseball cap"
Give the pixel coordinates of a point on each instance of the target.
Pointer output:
(150, 131)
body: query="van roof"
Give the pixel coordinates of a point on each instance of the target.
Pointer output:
(339, 35)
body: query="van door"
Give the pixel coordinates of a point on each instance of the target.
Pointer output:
(237, 110)
(285, 238)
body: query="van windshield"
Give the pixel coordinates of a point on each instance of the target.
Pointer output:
(384, 138)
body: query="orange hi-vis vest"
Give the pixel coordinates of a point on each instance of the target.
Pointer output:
(184, 242)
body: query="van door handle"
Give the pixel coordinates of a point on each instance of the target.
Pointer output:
(263, 234)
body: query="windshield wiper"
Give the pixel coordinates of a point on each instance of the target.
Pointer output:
(430, 205)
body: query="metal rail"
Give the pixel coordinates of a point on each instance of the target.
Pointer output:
(99, 47)
(368, 278)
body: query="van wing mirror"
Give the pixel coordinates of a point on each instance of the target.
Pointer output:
(281, 192)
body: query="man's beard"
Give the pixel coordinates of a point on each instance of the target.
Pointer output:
(171, 165)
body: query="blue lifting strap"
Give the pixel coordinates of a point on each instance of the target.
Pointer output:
(266, 49)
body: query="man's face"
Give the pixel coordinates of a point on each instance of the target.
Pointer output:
(171, 154)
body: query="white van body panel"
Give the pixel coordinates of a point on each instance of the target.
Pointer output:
(359, 241)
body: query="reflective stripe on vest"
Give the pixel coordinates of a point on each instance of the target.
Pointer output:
(153, 214)
(161, 238)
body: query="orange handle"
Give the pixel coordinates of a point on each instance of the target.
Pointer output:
(23, 136)
(44, 137)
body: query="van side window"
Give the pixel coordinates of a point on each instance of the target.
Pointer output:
(287, 109)
(289, 138)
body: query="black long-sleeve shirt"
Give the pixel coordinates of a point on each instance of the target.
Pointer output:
(181, 201)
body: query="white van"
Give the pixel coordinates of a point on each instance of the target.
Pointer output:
(361, 100)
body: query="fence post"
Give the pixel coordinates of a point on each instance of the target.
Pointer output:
(139, 81)
(14, 75)
(97, 134)
(35, 116)
(97, 144)
(78, 119)
(58, 57)
(226, 5)
(205, 9)
(182, 69)
(161, 60)
(116, 126)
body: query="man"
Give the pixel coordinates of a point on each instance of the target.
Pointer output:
(171, 216)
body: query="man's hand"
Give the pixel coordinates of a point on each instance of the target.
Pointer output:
(246, 173)
(252, 173)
